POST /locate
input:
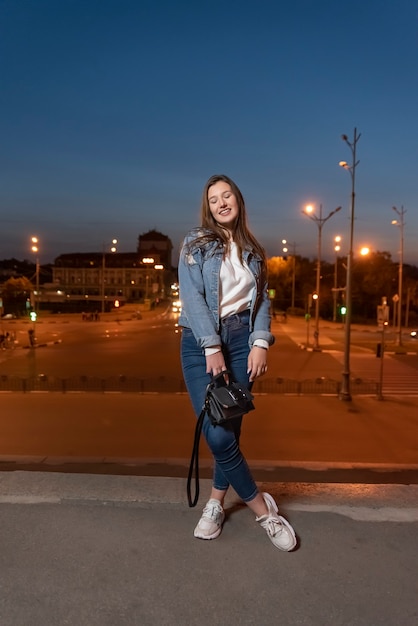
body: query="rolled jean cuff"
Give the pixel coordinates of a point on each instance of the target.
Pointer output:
(248, 499)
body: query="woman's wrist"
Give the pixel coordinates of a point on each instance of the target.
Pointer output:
(261, 343)
(212, 350)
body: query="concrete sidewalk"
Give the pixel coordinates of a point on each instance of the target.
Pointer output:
(84, 550)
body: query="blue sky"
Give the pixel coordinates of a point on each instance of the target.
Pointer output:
(115, 112)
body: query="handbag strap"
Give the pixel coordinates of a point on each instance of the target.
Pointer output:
(194, 461)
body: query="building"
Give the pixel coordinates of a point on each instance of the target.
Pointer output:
(100, 279)
(154, 244)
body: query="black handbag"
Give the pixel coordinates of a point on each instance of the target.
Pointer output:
(224, 401)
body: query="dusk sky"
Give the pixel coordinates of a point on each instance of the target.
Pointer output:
(114, 113)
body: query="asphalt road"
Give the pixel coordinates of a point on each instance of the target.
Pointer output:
(147, 433)
(68, 347)
(123, 345)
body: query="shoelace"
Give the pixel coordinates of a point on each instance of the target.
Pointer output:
(212, 512)
(273, 527)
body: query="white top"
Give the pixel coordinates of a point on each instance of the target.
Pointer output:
(237, 284)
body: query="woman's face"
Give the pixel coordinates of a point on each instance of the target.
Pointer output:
(223, 204)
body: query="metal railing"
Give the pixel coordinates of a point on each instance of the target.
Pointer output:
(164, 384)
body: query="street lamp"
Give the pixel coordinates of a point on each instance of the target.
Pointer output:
(147, 261)
(35, 248)
(401, 212)
(319, 221)
(159, 267)
(337, 248)
(286, 249)
(345, 393)
(112, 249)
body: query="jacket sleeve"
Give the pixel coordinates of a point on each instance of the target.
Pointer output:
(195, 312)
(262, 318)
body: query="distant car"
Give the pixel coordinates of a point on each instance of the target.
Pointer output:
(176, 306)
(9, 316)
(414, 334)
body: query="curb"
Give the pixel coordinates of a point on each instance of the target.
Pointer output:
(367, 503)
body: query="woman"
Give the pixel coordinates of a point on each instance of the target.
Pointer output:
(225, 324)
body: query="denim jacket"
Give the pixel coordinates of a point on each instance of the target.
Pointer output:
(199, 273)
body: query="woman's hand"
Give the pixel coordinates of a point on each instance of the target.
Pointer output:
(257, 362)
(215, 363)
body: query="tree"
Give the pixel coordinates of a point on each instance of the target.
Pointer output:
(15, 293)
(374, 276)
(280, 278)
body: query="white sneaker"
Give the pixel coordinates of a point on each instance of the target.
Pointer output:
(278, 529)
(210, 524)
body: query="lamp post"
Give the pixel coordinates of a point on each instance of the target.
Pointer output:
(345, 393)
(337, 248)
(147, 261)
(112, 249)
(401, 223)
(286, 249)
(319, 221)
(159, 267)
(35, 248)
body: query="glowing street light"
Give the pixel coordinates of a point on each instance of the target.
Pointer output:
(345, 393)
(35, 249)
(148, 261)
(112, 249)
(319, 221)
(286, 249)
(400, 223)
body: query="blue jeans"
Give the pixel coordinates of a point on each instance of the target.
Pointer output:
(230, 466)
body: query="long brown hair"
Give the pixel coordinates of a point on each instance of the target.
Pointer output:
(241, 233)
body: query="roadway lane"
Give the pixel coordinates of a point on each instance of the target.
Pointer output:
(145, 348)
(149, 348)
(142, 348)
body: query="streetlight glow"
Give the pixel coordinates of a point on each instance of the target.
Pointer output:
(112, 249)
(285, 250)
(320, 221)
(35, 242)
(35, 249)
